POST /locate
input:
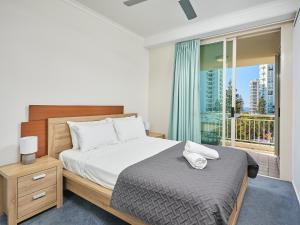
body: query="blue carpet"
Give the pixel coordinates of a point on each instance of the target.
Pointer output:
(267, 202)
(270, 202)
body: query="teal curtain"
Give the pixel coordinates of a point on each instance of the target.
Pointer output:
(185, 109)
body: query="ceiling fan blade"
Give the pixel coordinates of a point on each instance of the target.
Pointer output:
(188, 9)
(133, 2)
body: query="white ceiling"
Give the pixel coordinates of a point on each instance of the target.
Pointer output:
(156, 16)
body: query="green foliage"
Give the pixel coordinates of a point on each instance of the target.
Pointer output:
(229, 97)
(251, 127)
(261, 105)
(217, 107)
(239, 104)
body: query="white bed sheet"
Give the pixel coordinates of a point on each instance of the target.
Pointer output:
(103, 165)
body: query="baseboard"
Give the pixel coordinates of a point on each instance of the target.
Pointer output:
(297, 193)
(275, 178)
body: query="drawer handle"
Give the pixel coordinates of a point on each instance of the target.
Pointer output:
(38, 196)
(38, 177)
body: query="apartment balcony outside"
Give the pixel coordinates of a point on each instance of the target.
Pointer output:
(253, 133)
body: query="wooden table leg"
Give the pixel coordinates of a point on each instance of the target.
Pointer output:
(59, 185)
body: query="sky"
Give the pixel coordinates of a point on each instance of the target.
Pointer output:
(244, 76)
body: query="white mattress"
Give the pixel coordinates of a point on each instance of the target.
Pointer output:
(103, 165)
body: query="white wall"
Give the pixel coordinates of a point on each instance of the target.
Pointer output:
(54, 53)
(296, 133)
(160, 87)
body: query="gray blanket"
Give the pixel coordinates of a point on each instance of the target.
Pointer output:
(165, 189)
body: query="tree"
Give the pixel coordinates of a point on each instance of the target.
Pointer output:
(261, 105)
(229, 97)
(217, 107)
(239, 104)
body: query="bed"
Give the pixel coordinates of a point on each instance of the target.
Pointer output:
(104, 164)
(97, 184)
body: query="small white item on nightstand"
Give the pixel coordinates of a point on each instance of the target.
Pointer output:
(28, 148)
(147, 127)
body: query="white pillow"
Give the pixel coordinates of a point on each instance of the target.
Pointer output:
(129, 128)
(91, 137)
(73, 133)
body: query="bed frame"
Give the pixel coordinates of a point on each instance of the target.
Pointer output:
(59, 139)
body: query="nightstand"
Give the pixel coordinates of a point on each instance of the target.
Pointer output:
(26, 190)
(156, 135)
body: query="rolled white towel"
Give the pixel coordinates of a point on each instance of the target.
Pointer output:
(204, 151)
(196, 160)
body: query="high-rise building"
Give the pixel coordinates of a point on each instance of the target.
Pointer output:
(271, 89)
(267, 86)
(211, 97)
(214, 94)
(254, 96)
(263, 87)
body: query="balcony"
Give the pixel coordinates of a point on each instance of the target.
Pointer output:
(254, 134)
(252, 131)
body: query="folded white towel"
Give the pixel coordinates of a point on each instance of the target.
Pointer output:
(204, 151)
(196, 160)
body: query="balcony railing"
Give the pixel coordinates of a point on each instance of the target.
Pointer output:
(252, 130)
(255, 129)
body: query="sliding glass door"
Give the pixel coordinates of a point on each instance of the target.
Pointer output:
(217, 70)
(211, 92)
(239, 92)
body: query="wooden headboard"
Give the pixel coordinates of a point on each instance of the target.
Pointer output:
(59, 138)
(39, 115)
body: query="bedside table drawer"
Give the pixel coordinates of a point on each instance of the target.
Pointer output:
(35, 201)
(36, 181)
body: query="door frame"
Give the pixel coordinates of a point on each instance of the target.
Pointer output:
(233, 95)
(277, 104)
(233, 37)
(224, 92)
(233, 119)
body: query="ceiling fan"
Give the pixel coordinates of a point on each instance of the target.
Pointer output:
(185, 5)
